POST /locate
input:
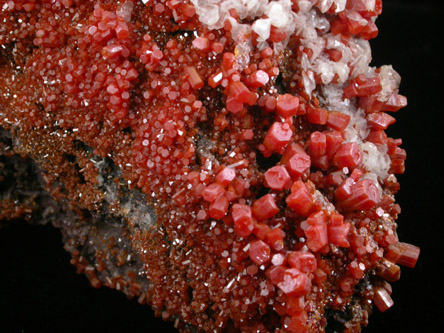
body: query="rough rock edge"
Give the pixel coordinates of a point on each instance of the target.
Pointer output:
(86, 234)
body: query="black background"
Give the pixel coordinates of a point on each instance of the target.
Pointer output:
(40, 291)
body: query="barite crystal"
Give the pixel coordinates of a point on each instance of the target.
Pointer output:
(225, 162)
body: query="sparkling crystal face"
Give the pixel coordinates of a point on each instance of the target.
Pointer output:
(226, 162)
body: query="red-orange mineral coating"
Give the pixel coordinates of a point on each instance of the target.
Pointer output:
(265, 219)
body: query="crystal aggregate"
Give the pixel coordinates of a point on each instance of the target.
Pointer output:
(255, 129)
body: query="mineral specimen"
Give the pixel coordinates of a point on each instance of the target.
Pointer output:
(223, 161)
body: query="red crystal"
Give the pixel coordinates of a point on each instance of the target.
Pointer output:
(354, 21)
(287, 105)
(317, 237)
(194, 78)
(225, 177)
(382, 299)
(300, 200)
(261, 230)
(364, 195)
(380, 120)
(298, 323)
(319, 276)
(318, 144)
(403, 253)
(298, 164)
(317, 116)
(291, 150)
(362, 86)
(377, 137)
(276, 274)
(259, 252)
(303, 261)
(258, 79)
(295, 304)
(219, 207)
(275, 238)
(395, 103)
(212, 192)
(334, 55)
(277, 136)
(337, 120)
(265, 207)
(370, 31)
(294, 283)
(371, 103)
(237, 95)
(238, 91)
(228, 60)
(277, 178)
(122, 31)
(334, 140)
(201, 43)
(338, 234)
(241, 213)
(276, 35)
(356, 269)
(389, 271)
(243, 220)
(317, 218)
(215, 80)
(348, 155)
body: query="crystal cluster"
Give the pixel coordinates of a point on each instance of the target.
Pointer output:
(225, 161)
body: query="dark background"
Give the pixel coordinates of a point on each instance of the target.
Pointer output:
(40, 291)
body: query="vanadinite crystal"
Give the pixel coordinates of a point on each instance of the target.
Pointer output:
(225, 162)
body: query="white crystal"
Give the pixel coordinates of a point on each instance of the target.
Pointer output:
(357, 129)
(309, 82)
(326, 68)
(209, 15)
(324, 5)
(277, 15)
(340, 5)
(360, 56)
(374, 160)
(305, 6)
(390, 80)
(370, 5)
(126, 10)
(262, 28)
